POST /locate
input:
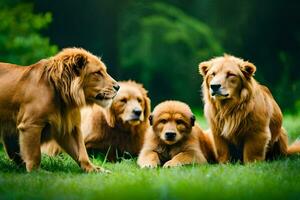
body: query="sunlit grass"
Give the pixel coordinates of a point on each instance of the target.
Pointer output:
(61, 178)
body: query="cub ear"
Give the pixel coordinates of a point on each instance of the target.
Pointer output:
(151, 119)
(248, 69)
(78, 62)
(110, 116)
(204, 67)
(147, 108)
(193, 119)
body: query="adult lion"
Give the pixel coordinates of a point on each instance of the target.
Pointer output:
(243, 116)
(42, 101)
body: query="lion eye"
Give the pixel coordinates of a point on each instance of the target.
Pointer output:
(99, 73)
(163, 121)
(230, 75)
(179, 122)
(124, 100)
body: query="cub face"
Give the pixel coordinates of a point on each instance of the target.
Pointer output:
(172, 121)
(131, 105)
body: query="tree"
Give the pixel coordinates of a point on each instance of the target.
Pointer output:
(20, 40)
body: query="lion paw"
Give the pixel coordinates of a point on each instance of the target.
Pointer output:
(95, 169)
(149, 164)
(172, 163)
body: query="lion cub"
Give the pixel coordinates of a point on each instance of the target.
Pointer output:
(174, 139)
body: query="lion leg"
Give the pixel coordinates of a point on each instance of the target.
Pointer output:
(51, 148)
(185, 158)
(283, 142)
(30, 137)
(92, 141)
(208, 147)
(149, 159)
(94, 144)
(12, 148)
(279, 146)
(73, 144)
(222, 149)
(255, 147)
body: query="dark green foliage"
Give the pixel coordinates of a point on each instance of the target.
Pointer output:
(160, 43)
(161, 46)
(20, 40)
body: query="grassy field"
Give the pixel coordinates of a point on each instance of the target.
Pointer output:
(61, 178)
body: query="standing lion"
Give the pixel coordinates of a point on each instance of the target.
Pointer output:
(42, 101)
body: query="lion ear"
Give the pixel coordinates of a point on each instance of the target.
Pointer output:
(248, 69)
(110, 117)
(204, 67)
(151, 119)
(193, 119)
(78, 62)
(147, 109)
(147, 102)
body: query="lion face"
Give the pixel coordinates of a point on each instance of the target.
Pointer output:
(131, 105)
(81, 78)
(224, 77)
(99, 87)
(172, 121)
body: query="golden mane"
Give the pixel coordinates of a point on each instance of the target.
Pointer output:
(63, 70)
(229, 115)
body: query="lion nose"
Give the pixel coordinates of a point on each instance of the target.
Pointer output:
(137, 111)
(116, 87)
(170, 135)
(215, 87)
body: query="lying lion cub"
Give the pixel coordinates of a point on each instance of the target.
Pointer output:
(174, 139)
(120, 129)
(117, 130)
(244, 118)
(42, 101)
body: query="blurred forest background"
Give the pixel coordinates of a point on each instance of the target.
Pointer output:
(160, 43)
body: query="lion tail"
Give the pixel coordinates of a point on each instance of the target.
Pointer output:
(294, 148)
(283, 146)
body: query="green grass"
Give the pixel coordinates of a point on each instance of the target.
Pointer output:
(61, 178)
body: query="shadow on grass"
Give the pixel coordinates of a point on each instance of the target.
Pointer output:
(61, 163)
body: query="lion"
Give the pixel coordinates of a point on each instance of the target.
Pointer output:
(174, 139)
(243, 116)
(117, 130)
(42, 102)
